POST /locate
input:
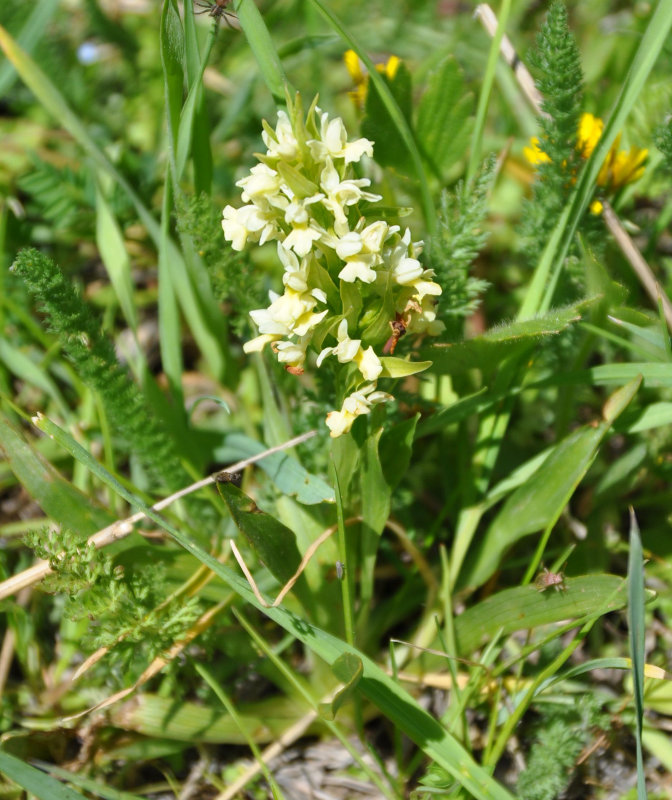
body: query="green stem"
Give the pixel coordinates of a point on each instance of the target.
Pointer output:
(486, 90)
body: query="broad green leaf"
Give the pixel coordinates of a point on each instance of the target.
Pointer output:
(32, 780)
(525, 607)
(658, 744)
(656, 415)
(402, 710)
(444, 127)
(274, 543)
(400, 368)
(284, 470)
(58, 498)
(390, 150)
(488, 351)
(395, 448)
(348, 669)
(538, 503)
(655, 375)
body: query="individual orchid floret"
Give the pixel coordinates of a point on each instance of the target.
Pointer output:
(281, 142)
(348, 350)
(305, 231)
(249, 223)
(292, 353)
(289, 313)
(341, 194)
(333, 142)
(296, 272)
(358, 403)
(262, 187)
(361, 251)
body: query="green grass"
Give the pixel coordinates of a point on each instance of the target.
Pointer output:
(524, 425)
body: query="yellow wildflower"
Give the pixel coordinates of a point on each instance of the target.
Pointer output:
(534, 154)
(361, 78)
(590, 130)
(619, 167)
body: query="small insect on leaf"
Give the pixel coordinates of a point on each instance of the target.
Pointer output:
(340, 570)
(546, 579)
(236, 478)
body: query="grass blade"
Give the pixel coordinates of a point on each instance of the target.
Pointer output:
(34, 781)
(262, 46)
(637, 627)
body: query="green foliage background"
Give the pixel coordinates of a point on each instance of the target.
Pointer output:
(544, 417)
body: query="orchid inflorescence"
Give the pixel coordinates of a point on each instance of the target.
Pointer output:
(348, 276)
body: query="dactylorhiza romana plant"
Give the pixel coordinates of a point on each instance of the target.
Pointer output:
(350, 280)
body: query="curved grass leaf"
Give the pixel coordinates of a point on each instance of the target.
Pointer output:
(637, 631)
(34, 781)
(262, 46)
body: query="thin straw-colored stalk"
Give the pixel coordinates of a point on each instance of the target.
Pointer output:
(121, 528)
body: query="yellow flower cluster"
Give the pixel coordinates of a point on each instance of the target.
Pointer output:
(620, 167)
(361, 78)
(346, 276)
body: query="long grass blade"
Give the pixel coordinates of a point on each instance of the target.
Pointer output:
(637, 630)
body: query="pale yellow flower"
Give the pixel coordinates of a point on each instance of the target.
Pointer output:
(358, 403)
(348, 350)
